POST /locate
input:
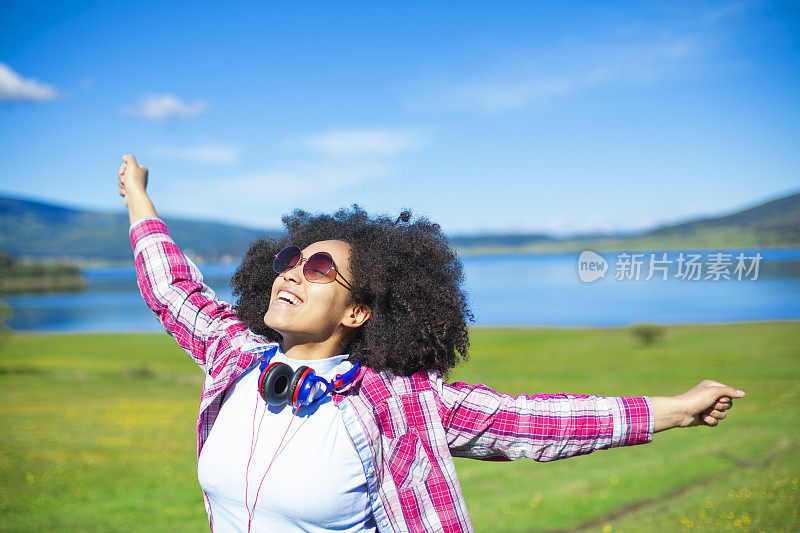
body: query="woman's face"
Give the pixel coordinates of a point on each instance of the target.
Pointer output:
(305, 311)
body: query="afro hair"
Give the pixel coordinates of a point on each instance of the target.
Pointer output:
(404, 270)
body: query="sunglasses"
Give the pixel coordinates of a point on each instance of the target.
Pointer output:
(319, 268)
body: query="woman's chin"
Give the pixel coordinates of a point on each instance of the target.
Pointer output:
(277, 323)
(271, 322)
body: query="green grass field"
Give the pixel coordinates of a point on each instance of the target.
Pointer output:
(98, 433)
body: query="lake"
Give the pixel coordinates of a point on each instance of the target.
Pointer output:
(544, 289)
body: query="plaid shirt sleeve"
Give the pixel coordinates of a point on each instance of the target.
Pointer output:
(484, 424)
(173, 288)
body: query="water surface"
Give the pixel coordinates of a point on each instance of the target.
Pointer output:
(525, 289)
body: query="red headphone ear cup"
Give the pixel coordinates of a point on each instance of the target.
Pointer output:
(296, 384)
(274, 384)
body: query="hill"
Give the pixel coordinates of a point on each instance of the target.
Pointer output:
(772, 223)
(46, 231)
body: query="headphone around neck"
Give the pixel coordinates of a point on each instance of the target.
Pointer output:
(279, 385)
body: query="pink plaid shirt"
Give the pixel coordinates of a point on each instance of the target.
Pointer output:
(406, 430)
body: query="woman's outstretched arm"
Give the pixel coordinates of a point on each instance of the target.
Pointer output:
(484, 424)
(172, 285)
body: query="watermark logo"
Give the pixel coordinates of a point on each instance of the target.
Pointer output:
(715, 266)
(591, 266)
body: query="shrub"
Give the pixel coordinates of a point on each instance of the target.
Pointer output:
(647, 334)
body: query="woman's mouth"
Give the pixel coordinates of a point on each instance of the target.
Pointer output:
(287, 297)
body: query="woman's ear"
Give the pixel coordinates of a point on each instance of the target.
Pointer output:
(357, 315)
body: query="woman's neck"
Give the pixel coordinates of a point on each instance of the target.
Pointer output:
(311, 350)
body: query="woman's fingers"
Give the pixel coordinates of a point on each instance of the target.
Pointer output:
(721, 406)
(122, 168)
(713, 418)
(720, 415)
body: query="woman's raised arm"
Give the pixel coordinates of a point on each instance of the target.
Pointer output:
(172, 285)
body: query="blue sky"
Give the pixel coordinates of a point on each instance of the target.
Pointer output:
(558, 117)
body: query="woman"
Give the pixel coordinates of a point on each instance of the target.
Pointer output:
(342, 332)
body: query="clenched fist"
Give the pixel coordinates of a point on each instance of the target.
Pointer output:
(132, 177)
(706, 403)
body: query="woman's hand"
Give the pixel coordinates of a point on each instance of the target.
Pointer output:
(706, 403)
(132, 177)
(132, 183)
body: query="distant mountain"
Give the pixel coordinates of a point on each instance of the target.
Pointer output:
(45, 231)
(511, 240)
(772, 223)
(776, 221)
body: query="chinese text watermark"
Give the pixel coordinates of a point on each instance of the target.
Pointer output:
(687, 266)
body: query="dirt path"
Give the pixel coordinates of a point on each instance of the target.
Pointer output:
(739, 463)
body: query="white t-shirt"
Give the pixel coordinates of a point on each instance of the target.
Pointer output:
(316, 482)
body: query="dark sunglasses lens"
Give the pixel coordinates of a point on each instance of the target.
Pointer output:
(319, 267)
(286, 259)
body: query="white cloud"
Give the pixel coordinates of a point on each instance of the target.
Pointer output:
(666, 49)
(375, 141)
(201, 153)
(14, 87)
(728, 10)
(521, 81)
(258, 199)
(165, 107)
(296, 182)
(334, 162)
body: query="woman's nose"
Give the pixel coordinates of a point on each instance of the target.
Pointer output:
(295, 273)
